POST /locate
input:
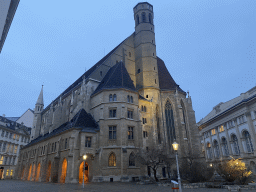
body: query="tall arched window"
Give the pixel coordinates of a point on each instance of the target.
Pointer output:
(137, 19)
(184, 117)
(132, 159)
(248, 141)
(128, 98)
(216, 149)
(225, 146)
(143, 15)
(209, 151)
(150, 18)
(114, 97)
(145, 108)
(112, 160)
(110, 98)
(131, 99)
(235, 145)
(169, 122)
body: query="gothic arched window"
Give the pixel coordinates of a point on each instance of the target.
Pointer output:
(112, 160)
(110, 98)
(216, 149)
(128, 98)
(225, 146)
(169, 122)
(143, 17)
(114, 97)
(131, 99)
(150, 18)
(138, 19)
(248, 141)
(236, 149)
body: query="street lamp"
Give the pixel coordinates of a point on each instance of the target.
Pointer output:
(175, 148)
(84, 158)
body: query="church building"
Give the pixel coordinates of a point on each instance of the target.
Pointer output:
(127, 101)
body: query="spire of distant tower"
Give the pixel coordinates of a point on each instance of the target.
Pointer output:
(40, 99)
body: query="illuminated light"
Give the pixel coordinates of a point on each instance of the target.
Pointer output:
(175, 146)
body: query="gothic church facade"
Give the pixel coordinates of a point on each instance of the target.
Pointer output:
(126, 102)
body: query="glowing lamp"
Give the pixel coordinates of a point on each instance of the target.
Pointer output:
(175, 146)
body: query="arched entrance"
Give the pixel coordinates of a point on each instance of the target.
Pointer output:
(1, 172)
(64, 171)
(48, 174)
(29, 172)
(34, 172)
(38, 171)
(86, 173)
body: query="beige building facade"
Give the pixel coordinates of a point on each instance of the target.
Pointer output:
(126, 102)
(228, 131)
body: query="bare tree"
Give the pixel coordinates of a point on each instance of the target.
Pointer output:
(153, 158)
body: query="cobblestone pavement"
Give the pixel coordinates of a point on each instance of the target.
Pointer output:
(29, 186)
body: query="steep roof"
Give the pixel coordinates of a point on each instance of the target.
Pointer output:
(40, 99)
(81, 120)
(166, 82)
(117, 77)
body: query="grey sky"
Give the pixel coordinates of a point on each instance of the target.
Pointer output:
(208, 47)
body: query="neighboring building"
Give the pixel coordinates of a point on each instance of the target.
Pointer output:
(126, 102)
(7, 11)
(229, 130)
(12, 137)
(25, 119)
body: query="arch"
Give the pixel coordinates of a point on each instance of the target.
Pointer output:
(86, 172)
(110, 98)
(128, 98)
(112, 160)
(143, 16)
(132, 159)
(225, 146)
(48, 174)
(216, 148)
(38, 172)
(131, 99)
(235, 145)
(142, 108)
(169, 122)
(114, 97)
(29, 172)
(150, 18)
(137, 19)
(64, 171)
(248, 141)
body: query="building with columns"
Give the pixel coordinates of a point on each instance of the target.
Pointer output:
(127, 101)
(228, 131)
(13, 136)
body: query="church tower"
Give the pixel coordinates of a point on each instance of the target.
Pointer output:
(39, 106)
(145, 51)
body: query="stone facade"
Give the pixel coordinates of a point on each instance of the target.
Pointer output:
(228, 131)
(130, 102)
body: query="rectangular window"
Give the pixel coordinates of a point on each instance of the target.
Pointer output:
(213, 132)
(11, 173)
(4, 147)
(14, 135)
(55, 146)
(8, 146)
(10, 136)
(1, 160)
(2, 133)
(112, 113)
(112, 132)
(144, 120)
(221, 128)
(17, 137)
(0, 146)
(5, 160)
(11, 149)
(88, 141)
(15, 149)
(145, 134)
(6, 134)
(130, 114)
(130, 132)
(52, 147)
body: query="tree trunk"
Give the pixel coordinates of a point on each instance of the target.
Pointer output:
(155, 175)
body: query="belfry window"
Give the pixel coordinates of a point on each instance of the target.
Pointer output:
(138, 19)
(88, 141)
(169, 123)
(150, 18)
(143, 17)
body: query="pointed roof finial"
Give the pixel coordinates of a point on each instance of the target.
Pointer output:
(40, 99)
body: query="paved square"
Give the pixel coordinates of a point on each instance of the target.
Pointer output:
(28, 186)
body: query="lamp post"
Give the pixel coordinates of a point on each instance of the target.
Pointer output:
(84, 158)
(176, 147)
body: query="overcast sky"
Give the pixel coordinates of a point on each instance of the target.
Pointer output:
(208, 47)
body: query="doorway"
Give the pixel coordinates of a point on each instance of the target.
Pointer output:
(64, 171)
(48, 175)
(86, 172)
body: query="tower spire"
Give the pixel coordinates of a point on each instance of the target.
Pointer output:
(40, 99)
